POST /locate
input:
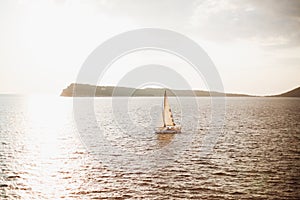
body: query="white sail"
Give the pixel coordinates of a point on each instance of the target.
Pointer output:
(167, 113)
(169, 126)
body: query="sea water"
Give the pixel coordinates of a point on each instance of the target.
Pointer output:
(51, 149)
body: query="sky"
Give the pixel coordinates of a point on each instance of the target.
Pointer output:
(254, 44)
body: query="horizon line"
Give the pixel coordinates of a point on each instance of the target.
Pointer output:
(193, 89)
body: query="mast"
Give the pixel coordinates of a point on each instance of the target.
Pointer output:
(163, 110)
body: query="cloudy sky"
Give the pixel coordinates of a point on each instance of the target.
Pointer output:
(254, 44)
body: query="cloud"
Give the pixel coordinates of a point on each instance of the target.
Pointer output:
(269, 23)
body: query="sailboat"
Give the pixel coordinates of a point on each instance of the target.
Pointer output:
(169, 125)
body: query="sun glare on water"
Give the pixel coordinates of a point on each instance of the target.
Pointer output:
(47, 121)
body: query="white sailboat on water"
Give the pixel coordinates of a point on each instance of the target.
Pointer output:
(169, 125)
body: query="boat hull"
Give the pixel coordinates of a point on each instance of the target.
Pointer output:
(168, 130)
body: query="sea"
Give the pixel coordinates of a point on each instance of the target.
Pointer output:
(105, 148)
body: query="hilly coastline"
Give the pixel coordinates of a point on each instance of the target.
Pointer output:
(86, 90)
(292, 93)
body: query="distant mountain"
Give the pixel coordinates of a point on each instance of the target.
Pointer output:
(292, 93)
(85, 90)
